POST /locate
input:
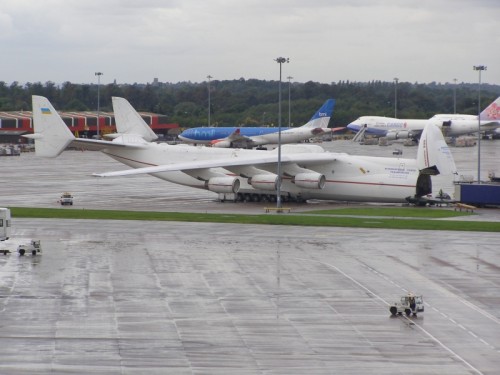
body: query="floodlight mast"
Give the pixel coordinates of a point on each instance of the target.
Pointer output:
(209, 109)
(281, 61)
(396, 80)
(98, 74)
(479, 69)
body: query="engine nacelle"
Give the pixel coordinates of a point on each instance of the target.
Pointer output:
(403, 134)
(223, 184)
(220, 144)
(310, 180)
(264, 181)
(446, 128)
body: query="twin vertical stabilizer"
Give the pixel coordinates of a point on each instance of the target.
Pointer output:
(51, 134)
(434, 156)
(128, 121)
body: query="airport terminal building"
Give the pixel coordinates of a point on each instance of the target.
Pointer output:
(82, 124)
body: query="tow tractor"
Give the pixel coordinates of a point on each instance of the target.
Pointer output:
(22, 247)
(409, 304)
(32, 247)
(9, 245)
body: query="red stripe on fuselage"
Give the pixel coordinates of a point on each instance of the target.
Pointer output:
(128, 159)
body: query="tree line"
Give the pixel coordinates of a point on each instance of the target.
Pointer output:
(255, 102)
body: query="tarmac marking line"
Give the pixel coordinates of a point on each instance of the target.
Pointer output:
(449, 350)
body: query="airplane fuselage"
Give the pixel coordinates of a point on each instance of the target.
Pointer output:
(451, 125)
(259, 135)
(208, 134)
(353, 178)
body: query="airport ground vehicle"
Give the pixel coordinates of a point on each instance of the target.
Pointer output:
(409, 304)
(66, 198)
(32, 247)
(4, 224)
(9, 245)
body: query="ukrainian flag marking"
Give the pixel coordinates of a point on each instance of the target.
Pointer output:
(45, 111)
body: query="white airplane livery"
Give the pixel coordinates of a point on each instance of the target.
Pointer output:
(451, 124)
(307, 171)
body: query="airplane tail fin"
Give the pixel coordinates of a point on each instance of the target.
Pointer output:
(491, 112)
(128, 121)
(322, 117)
(434, 156)
(51, 134)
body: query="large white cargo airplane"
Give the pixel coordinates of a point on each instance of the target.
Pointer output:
(452, 125)
(307, 170)
(249, 136)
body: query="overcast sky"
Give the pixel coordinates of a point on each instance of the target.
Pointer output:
(186, 40)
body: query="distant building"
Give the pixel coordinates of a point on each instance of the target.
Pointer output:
(82, 124)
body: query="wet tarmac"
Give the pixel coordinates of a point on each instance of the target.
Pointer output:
(127, 297)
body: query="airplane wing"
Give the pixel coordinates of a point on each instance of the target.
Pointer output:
(339, 129)
(318, 131)
(302, 160)
(490, 125)
(234, 138)
(98, 145)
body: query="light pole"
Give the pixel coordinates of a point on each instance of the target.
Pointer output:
(455, 96)
(98, 74)
(289, 101)
(396, 97)
(281, 61)
(209, 110)
(479, 68)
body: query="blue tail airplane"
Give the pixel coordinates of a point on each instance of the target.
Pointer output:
(248, 137)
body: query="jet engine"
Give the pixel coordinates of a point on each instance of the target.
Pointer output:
(221, 144)
(264, 181)
(446, 127)
(223, 184)
(310, 180)
(404, 134)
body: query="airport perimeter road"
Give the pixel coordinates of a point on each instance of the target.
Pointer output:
(198, 298)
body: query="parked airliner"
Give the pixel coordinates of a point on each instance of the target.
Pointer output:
(307, 171)
(248, 137)
(451, 124)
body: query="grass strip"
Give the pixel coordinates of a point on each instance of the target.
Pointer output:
(424, 212)
(269, 219)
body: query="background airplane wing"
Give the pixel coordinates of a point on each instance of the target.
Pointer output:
(98, 145)
(490, 125)
(302, 160)
(235, 136)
